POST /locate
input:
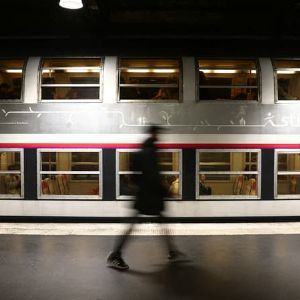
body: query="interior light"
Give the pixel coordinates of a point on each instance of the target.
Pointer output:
(71, 4)
(226, 71)
(285, 72)
(76, 70)
(138, 70)
(205, 71)
(13, 71)
(164, 71)
(218, 71)
(82, 70)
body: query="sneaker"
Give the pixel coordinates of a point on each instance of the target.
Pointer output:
(175, 255)
(117, 262)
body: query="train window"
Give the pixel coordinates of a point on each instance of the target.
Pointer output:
(287, 74)
(228, 174)
(71, 79)
(11, 77)
(227, 79)
(11, 173)
(287, 174)
(126, 174)
(70, 173)
(156, 80)
(170, 170)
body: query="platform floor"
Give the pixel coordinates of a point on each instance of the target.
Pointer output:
(71, 267)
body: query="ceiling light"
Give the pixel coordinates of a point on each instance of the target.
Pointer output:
(218, 71)
(164, 71)
(285, 72)
(83, 70)
(71, 4)
(13, 70)
(141, 70)
(138, 70)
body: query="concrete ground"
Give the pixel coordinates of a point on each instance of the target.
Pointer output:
(260, 266)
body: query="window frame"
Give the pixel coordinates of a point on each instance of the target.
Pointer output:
(21, 173)
(99, 196)
(118, 173)
(277, 172)
(99, 85)
(277, 100)
(228, 197)
(258, 80)
(21, 99)
(180, 82)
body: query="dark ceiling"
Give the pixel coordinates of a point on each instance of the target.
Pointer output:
(219, 26)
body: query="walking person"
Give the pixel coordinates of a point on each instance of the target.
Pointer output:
(149, 198)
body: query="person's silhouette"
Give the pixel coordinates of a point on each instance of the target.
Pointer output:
(149, 197)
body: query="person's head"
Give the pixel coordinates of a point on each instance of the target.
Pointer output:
(202, 77)
(13, 167)
(154, 131)
(171, 178)
(202, 177)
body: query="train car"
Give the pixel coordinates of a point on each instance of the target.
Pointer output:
(70, 125)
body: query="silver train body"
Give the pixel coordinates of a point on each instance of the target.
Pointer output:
(264, 125)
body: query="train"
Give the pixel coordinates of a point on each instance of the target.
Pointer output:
(69, 127)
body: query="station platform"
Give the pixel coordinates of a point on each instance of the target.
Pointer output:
(223, 261)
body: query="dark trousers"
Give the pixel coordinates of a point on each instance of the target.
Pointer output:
(123, 239)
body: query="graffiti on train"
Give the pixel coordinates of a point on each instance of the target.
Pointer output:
(194, 118)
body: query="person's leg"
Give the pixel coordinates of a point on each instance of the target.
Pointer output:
(166, 234)
(122, 239)
(173, 252)
(115, 259)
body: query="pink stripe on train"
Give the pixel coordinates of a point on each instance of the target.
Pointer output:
(161, 145)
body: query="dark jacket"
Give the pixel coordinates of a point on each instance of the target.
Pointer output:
(150, 192)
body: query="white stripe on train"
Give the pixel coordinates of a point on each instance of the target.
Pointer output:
(116, 139)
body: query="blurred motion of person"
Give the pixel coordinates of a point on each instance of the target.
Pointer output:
(149, 198)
